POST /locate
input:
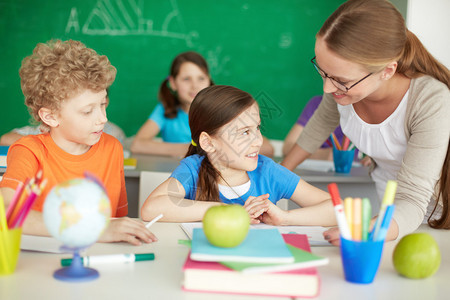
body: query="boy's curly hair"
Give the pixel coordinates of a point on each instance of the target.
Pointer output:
(59, 70)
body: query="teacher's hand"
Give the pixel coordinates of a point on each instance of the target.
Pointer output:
(332, 236)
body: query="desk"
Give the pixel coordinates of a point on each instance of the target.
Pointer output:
(161, 279)
(356, 184)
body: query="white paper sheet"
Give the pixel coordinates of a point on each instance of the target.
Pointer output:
(321, 165)
(40, 244)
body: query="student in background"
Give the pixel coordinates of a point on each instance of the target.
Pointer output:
(189, 74)
(73, 109)
(392, 99)
(223, 166)
(325, 152)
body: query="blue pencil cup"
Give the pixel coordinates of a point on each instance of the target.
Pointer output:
(343, 160)
(360, 260)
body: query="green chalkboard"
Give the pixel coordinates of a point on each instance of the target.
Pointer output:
(260, 46)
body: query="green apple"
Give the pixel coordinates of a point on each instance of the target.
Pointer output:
(417, 255)
(226, 225)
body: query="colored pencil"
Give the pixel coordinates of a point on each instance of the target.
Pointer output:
(348, 208)
(357, 205)
(366, 217)
(14, 199)
(336, 141)
(345, 143)
(385, 224)
(4, 242)
(388, 199)
(3, 223)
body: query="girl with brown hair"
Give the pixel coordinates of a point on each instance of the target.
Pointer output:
(189, 74)
(223, 166)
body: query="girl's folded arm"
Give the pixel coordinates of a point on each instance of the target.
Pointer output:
(316, 207)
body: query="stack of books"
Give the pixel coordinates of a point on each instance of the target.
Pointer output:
(266, 263)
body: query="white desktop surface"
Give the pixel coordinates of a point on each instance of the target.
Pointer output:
(161, 278)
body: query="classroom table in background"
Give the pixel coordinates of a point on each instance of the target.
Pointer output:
(161, 279)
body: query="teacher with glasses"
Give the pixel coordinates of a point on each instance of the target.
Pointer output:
(391, 98)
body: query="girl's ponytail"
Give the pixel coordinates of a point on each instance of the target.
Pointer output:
(207, 189)
(168, 99)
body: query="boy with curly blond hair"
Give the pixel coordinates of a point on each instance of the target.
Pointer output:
(64, 84)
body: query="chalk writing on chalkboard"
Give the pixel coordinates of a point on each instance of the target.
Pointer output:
(125, 17)
(217, 61)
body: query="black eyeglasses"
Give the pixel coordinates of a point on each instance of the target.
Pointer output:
(335, 82)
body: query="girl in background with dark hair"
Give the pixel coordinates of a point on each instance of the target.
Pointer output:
(392, 99)
(189, 74)
(223, 166)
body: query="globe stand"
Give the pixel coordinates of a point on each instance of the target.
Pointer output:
(76, 272)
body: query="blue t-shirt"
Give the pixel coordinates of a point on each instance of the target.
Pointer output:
(268, 178)
(174, 130)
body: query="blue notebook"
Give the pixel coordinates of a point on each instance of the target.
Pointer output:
(260, 246)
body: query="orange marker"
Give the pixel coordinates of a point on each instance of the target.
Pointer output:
(357, 229)
(336, 141)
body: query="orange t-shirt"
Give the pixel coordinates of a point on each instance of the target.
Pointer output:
(104, 160)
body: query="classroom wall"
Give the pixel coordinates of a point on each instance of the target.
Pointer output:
(261, 46)
(430, 21)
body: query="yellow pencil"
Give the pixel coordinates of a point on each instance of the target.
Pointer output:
(336, 141)
(357, 230)
(348, 209)
(3, 223)
(4, 243)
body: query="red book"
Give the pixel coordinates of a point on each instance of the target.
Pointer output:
(214, 277)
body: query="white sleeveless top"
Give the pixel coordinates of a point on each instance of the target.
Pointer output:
(385, 142)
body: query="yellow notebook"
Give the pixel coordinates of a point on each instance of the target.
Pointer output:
(129, 163)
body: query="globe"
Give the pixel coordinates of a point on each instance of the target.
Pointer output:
(76, 212)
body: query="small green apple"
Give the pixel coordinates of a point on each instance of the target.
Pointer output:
(417, 256)
(226, 225)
